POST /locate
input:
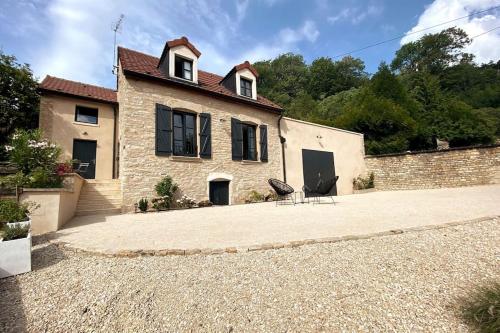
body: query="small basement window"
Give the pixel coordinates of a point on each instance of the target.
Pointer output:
(249, 142)
(85, 114)
(183, 68)
(245, 87)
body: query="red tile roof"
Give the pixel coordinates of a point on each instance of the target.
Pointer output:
(183, 41)
(78, 89)
(144, 65)
(247, 65)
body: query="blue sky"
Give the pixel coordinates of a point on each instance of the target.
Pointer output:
(73, 39)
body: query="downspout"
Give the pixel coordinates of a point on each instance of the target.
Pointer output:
(114, 143)
(282, 141)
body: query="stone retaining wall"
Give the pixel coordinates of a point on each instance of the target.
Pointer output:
(434, 169)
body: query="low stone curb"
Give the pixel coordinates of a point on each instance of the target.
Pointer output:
(260, 247)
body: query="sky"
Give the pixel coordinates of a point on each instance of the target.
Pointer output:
(73, 39)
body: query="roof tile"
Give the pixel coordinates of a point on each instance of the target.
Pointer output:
(58, 85)
(141, 63)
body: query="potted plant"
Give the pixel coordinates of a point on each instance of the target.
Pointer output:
(15, 238)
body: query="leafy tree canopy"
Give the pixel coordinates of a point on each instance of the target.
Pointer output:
(19, 99)
(433, 52)
(432, 90)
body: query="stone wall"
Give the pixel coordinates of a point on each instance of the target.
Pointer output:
(434, 169)
(141, 169)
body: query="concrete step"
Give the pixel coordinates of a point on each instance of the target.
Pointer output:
(83, 203)
(101, 187)
(107, 211)
(100, 197)
(102, 181)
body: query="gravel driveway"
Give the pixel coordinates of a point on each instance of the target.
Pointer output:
(406, 282)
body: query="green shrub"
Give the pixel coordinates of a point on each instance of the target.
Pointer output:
(11, 211)
(11, 181)
(15, 232)
(42, 178)
(36, 158)
(361, 183)
(186, 202)
(255, 196)
(205, 203)
(166, 189)
(482, 310)
(29, 151)
(143, 205)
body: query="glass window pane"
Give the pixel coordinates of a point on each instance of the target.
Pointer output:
(86, 115)
(187, 65)
(178, 66)
(177, 120)
(178, 133)
(178, 147)
(189, 121)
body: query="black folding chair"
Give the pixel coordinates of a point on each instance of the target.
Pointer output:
(283, 190)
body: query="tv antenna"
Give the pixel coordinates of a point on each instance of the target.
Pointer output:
(117, 27)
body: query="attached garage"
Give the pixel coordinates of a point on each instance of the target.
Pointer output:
(314, 152)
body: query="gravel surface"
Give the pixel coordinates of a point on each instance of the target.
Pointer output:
(406, 282)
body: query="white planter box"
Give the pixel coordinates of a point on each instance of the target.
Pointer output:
(15, 255)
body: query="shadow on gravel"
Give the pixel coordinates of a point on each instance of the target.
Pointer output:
(44, 254)
(12, 317)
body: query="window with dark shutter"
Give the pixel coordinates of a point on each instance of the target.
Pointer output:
(236, 140)
(263, 143)
(205, 136)
(249, 142)
(184, 134)
(163, 144)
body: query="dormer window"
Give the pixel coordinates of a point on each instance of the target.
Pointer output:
(246, 87)
(183, 68)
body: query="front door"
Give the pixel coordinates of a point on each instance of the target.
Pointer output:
(318, 165)
(219, 192)
(84, 151)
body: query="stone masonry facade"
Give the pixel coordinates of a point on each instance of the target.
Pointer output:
(445, 168)
(140, 169)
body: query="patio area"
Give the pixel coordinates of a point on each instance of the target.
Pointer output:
(243, 227)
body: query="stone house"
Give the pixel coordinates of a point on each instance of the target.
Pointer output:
(214, 135)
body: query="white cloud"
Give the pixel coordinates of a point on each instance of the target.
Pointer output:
(308, 31)
(483, 47)
(241, 9)
(77, 40)
(356, 15)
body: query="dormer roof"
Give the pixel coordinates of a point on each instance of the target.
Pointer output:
(247, 65)
(146, 67)
(178, 42)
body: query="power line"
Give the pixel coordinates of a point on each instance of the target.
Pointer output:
(484, 33)
(415, 32)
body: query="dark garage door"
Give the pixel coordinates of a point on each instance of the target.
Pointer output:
(318, 165)
(219, 192)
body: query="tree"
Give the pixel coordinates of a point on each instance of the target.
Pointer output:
(283, 78)
(387, 127)
(327, 77)
(19, 99)
(433, 52)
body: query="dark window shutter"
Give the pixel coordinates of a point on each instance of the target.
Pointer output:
(236, 139)
(205, 136)
(263, 143)
(163, 130)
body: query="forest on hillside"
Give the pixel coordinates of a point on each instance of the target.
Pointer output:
(431, 90)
